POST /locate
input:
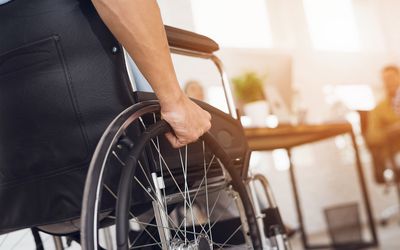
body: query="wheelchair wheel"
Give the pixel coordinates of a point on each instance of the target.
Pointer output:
(155, 197)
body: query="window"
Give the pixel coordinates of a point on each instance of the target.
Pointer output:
(233, 23)
(353, 96)
(332, 24)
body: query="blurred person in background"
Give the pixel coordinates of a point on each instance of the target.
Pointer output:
(194, 89)
(384, 117)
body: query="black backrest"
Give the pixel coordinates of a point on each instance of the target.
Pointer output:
(62, 81)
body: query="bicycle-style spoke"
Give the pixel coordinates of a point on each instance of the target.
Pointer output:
(156, 200)
(202, 180)
(183, 193)
(147, 245)
(160, 163)
(174, 180)
(130, 213)
(220, 216)
(186, 201)
(118, 159)
(169, 170)
(205, 177)
(215, 203)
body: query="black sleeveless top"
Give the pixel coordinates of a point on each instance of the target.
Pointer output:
(62, 80)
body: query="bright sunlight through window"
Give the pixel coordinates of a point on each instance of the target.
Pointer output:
(332, 25)
(233, 23)
(354, 96)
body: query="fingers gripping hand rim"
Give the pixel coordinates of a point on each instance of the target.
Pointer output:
(188, 122)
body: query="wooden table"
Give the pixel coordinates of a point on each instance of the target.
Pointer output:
(265, 139)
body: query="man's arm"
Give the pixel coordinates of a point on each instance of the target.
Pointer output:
(138, 26)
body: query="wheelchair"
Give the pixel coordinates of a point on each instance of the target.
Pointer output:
(140, 193)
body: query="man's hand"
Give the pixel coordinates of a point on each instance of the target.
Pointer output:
(187, 119)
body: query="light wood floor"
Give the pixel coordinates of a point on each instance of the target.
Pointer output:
(389, 238)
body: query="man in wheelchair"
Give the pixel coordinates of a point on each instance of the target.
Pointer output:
(69, 121)
(137, 26)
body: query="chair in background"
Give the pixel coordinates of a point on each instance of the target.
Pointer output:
(385, 171)
(344, 224)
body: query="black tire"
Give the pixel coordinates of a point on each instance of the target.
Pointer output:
(115, 136)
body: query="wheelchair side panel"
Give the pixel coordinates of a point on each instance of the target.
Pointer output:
(62, 81)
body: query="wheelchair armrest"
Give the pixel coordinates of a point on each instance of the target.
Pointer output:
(189, 40)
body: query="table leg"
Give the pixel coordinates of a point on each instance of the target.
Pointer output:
(364, 190)
(297, 200)
(365, 197)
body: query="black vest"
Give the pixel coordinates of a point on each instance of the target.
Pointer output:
(62, 80)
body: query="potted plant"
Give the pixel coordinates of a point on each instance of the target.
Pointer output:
(249, 90)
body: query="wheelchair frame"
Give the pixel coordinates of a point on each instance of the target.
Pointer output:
(273, 240)
(269, 220)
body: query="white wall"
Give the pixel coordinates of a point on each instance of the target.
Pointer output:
(325, 174)
(177, 13)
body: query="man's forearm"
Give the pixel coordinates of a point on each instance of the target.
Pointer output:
(138, 26)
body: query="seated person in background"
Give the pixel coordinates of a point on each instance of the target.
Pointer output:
(193, 89)
(383, 117)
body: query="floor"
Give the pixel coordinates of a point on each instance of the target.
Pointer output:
(389, 237)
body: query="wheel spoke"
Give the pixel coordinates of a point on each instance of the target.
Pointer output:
(147, 245)
(117, 157)
(169, 218)
(168, 169)
(219, 217)
(160, 164)
(130, 213)
(155, 200)
(186, 202)
(205, 177)
(173, 178)
(215, 203)
(198, 185)
(180, 191)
